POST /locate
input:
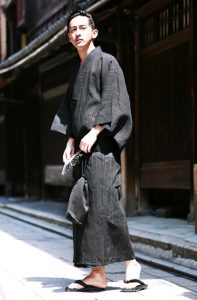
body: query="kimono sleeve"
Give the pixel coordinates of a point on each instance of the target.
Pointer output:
(104, 115)
(62, 119)
(115, 112)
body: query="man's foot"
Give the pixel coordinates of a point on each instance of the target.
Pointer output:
(133, 270)
(83, 287)
(96, 279)
(132, 282)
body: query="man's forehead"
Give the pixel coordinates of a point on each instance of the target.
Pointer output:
(79, 20)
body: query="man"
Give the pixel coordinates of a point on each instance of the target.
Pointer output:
(95, 116)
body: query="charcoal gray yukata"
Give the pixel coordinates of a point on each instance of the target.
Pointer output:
(97, 94)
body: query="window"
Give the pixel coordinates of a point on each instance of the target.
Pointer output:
(169, 20)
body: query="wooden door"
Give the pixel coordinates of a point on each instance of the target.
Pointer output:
(165, 106)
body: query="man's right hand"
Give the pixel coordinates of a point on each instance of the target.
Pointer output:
(69, 151)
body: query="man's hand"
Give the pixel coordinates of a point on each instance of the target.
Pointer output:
(70, 150)
(90, 138)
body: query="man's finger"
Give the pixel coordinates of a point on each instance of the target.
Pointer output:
(89, 148)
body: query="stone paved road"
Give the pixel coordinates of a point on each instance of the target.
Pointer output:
(37, 264)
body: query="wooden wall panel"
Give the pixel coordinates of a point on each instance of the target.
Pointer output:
(166, 175)
(165, 103)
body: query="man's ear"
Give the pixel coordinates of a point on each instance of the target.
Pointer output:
(95, 33)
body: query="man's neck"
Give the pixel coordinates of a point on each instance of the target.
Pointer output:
(83, 53)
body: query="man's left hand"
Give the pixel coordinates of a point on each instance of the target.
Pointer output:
(90, 138)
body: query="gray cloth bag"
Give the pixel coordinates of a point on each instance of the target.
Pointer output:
(78, 204)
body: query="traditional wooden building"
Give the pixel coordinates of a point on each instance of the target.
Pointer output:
(155, 44)
(165, 107)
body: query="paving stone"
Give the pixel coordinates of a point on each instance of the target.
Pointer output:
(38, 264)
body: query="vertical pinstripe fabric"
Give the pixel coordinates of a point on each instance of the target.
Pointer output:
(104, 238)
(98, 95)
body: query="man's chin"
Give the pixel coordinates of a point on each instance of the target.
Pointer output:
(80, 46)
(79, 43)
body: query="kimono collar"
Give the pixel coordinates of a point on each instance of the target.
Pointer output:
(94, 53)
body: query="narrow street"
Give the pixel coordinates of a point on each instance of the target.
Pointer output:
(37, 264)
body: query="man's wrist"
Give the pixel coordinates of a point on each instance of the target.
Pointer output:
(71, 141)
(97, 129)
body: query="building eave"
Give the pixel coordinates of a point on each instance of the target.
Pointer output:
(38, 47)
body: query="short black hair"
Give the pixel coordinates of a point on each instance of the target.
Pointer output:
(83, 13)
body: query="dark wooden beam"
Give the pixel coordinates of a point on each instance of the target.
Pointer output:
(166, 175)
(151, 6)
(134, 3)
(194, 102)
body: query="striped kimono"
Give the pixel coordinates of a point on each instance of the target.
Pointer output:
(97, 94)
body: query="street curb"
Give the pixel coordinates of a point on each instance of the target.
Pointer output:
(38, 222)
(55, 219)
(168, 266)
(176, 246)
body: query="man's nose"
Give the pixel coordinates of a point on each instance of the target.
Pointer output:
(78, 31)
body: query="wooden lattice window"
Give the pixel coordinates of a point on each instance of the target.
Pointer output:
(169, 20)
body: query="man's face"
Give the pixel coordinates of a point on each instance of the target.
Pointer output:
(80, 32)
